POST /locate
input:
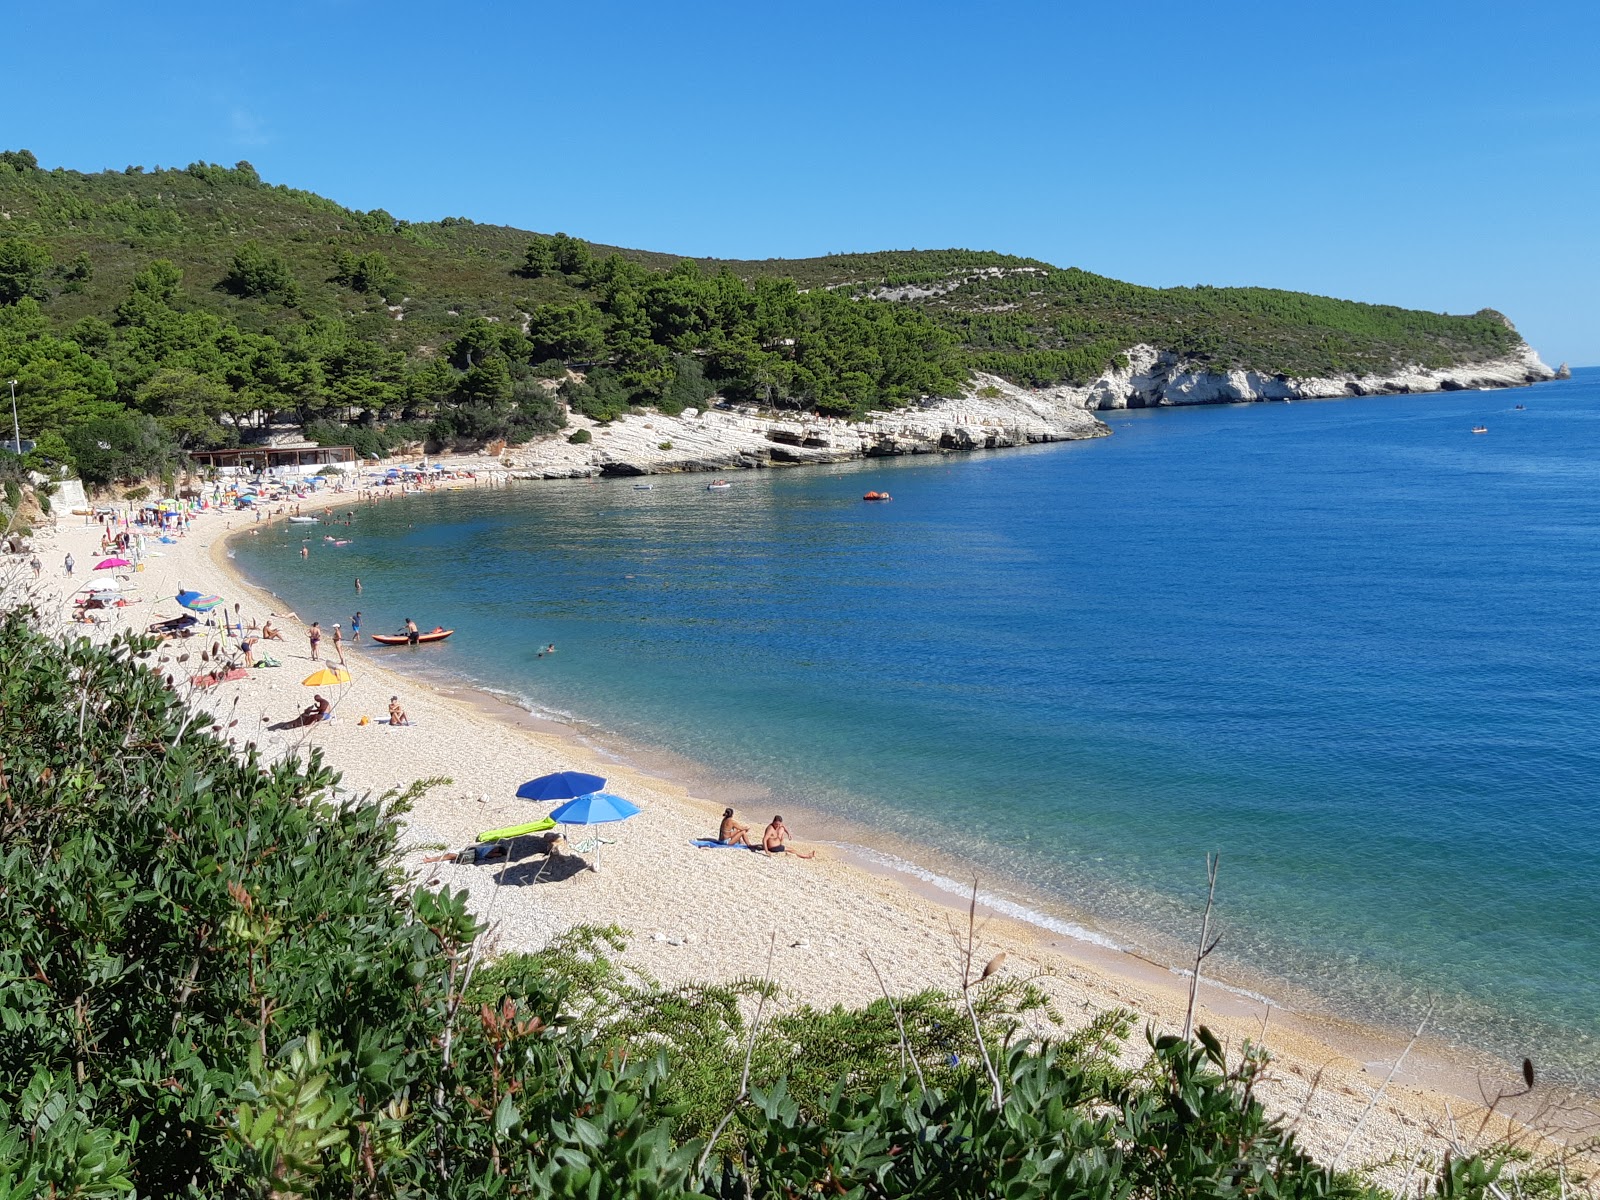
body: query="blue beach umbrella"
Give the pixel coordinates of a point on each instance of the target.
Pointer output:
(597, 808)
(563, 785)
(197, 602)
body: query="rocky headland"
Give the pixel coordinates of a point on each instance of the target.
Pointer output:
(992, 414)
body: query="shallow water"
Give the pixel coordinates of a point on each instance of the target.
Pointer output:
(1347, 644)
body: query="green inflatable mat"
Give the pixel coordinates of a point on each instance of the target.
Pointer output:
(514, 831)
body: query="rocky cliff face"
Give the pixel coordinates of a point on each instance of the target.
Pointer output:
(1153, 379)
(992, 415)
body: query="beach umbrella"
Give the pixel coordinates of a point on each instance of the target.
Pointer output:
(196, 602)
(563, 785)
(111, 564)
(597, 808)
(326, 677)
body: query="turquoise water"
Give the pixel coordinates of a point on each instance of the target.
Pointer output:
(1347, 644)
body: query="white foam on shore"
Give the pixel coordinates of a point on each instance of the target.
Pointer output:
(1244, 993)
(999, 904)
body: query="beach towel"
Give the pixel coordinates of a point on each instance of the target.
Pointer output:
(713, 844)
(268, 661)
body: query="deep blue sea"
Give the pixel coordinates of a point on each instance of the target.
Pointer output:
(1347, 644)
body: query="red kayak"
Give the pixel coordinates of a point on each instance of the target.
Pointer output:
(436, 634)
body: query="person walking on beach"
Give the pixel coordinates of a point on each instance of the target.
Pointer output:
(36, 565)
(776, 834)
(68, 565)
(732, 833)
(315, 634)
(338, 643)
(355, 627)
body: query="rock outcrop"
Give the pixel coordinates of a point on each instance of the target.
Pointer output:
(993, 414)
(1153, 379)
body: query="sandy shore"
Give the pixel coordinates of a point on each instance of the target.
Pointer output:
(708, 914)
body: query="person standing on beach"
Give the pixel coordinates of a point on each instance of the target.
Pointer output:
(355, 627)
(36, 565)
(338, 643)
(315, 634)
(68, 564)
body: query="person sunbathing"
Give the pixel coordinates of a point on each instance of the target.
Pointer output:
(315, 711)
(271, 633)
(731, 832)
(397, 715)
(776, 834)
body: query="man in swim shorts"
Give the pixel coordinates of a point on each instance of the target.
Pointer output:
(772, 840)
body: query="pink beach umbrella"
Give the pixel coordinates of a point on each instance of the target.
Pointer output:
(111, 564)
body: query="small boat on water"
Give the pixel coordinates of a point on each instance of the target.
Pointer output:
(436, 634)
(718, 485)
(1519, 408)
(1480, 429)
(304, 521)
(643, 487)
(877, 496)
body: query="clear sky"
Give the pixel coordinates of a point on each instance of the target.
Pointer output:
(1440, 154)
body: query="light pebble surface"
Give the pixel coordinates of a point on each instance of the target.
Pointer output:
(708, 915)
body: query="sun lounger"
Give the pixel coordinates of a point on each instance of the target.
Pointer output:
(516, 831)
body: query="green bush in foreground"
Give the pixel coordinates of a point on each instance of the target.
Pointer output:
(214, 982)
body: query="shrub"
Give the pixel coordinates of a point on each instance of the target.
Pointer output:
(579, 437)
(664, 446)
(212, 986)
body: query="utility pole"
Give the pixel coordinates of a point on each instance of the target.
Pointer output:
(16, 430)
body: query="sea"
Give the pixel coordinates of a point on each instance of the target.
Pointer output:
(1349, 646)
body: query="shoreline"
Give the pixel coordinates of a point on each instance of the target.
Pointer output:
(877, 907)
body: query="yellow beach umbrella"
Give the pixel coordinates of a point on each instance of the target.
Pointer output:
(326, 676)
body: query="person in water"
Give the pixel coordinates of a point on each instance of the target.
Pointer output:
(355, 627)
(411, 631)
(731, 832)
(776, 834)
(397, 715)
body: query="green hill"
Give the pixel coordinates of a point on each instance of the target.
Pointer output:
(205, 299)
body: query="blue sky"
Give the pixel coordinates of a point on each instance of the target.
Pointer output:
(1441, 155)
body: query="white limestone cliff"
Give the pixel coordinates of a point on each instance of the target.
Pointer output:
(992, 414)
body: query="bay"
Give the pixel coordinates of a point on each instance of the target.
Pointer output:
(1349, 645)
